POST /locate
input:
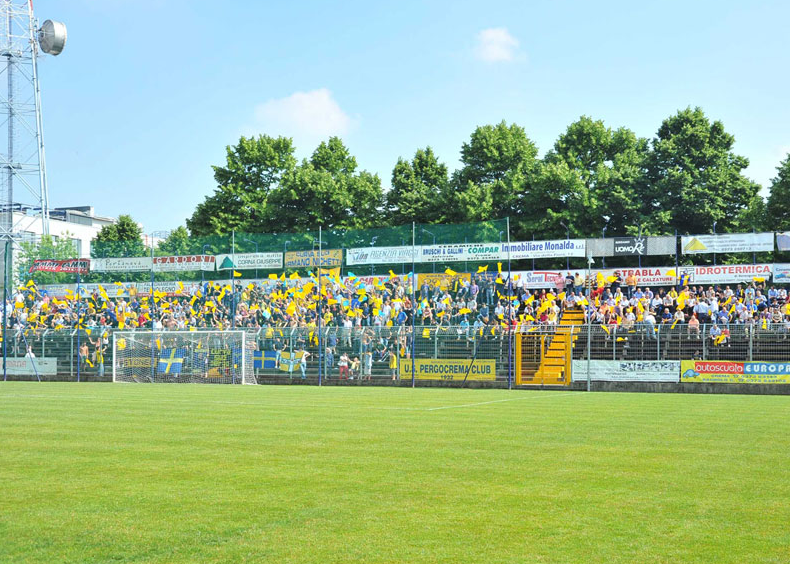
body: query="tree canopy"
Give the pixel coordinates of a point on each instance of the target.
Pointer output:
(684, 178)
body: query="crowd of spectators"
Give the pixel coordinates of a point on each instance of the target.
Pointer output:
(488, 303)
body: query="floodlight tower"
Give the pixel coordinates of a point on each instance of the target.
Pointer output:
(22, 162)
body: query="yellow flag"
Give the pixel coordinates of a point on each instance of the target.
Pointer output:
(482, 269)
(291, 309)
(671, 272)
(620, 339)
(765, 323)
(450, 272)
(759, 279)
(561, 296)
(426, 333)
(294, 276)
(605, 328)
(464, 311)
(393, 275)
(499, 267)
(272, 277)
(674, 323)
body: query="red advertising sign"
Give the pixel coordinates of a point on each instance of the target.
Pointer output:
(70, 266)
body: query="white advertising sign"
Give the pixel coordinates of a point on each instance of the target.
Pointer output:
(184, 263)
(646, 276)
(734, 243)
(249, 261)
(537, 279)
(626, 370)
(545, 249)
(128, 264)
(381, 255)
(783, 241)
(726, 274)
(24, 366)
(461, 252)
(782, 273)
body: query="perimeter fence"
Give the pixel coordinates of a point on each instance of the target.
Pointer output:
(456, 354)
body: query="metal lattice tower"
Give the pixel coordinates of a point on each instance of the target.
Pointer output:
(23, 173)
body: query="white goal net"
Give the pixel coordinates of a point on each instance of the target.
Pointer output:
(212, 357)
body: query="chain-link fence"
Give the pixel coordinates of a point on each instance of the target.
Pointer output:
(490, 355)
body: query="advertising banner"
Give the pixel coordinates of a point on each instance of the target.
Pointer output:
(627, 371)
(122, 264)
(720, 371)
(782, 273)
(734, 243)
(250, 261)
(783, 241)
(171, 288)
(24, 366)
(725, 274)
(441, 279)
(630, 246)
(646, 276)
(70, 266)
(545, 249)
(184, 263)
(329, 258)
(381, 255)
(461, 252)
(448, 369)
(539, 279)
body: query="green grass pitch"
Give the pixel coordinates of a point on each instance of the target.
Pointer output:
(170, 474)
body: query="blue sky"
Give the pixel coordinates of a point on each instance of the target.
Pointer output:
(148, 93)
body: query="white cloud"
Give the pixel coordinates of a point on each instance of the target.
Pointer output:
(306, 116)
(496, 45)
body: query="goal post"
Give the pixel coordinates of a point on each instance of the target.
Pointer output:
(185, 357)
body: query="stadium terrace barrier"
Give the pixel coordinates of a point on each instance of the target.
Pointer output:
(752, 360)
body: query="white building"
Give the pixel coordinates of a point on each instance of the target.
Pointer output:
(80, 224)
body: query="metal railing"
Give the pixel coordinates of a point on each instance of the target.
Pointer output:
(380, 353)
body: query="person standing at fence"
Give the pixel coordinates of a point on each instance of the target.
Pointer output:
(303, 364)
(342, 366)
(393, 362)
(630, 283)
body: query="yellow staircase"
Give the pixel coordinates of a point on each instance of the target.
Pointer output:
(555, 366)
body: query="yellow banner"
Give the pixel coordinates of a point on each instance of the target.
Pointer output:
(329, 258)
(448, 369)
(728, 372)
(441, 279)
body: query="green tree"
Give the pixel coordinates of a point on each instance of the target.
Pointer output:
(694, 178)
(325, 191)
(602, 171)
(419, 191)
(48, 247)
(124, 238)
(778, 207)
(177, 243)
(499, 164)
(253, 168)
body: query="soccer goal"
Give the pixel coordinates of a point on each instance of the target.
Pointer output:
(210, 357)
